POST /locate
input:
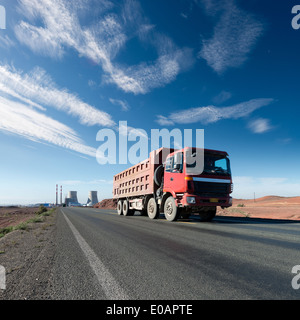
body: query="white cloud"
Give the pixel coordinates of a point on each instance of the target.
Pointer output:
(17, 118)
(235, 35)
(260, 125)
(211, 114)
(126, 130)
(184, 15)
(124, 105)
(164, 121)
(100, 42)
(38, 90)
(91, 83)
(6, 42)
(222, 97)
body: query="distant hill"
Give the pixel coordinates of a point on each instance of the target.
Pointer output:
(269, 200)
(107, 204)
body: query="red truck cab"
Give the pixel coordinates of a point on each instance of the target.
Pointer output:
(194, 190)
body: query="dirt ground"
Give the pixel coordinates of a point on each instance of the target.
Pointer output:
(270, 207)
(107, 204)
(27, 256)
(12, 216)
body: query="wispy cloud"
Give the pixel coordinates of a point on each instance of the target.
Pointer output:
(123, 104)
(211, 114)
(100, 42)
(38, 90)
(222, 97)
(6, 42)
(126, 130)
(23, 106)
(235, 35)
(164, 121)
(19, 119)
(260, 125)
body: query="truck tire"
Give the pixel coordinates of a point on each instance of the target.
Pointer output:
(152, 209)
(126, 210)
(158, 175)
(170, 209)
(208, 214)
(120, 208)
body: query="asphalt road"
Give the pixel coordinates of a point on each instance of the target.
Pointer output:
(101, 255)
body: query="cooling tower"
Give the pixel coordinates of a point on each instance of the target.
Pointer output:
(93, 198)
(72, 196)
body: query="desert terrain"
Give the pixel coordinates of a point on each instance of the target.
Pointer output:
(12, 216)
(269, 207)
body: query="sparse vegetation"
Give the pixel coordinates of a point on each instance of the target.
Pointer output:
(241, 205)
(42, 209)
(5, 230)
(24, 225)
(235, 210)
(21, 226)
(36, 219)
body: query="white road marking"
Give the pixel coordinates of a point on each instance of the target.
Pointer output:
(110, 286)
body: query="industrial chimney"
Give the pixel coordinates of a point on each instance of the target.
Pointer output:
(56, 202)
(61, 195)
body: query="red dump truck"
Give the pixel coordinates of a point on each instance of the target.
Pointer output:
(168, 182)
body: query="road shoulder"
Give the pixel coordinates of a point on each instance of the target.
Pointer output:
(28, 256)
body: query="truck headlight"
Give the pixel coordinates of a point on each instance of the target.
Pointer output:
(190, 199)
(231, 187)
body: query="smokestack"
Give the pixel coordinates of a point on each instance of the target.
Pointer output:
(61, 195)
(56, 194)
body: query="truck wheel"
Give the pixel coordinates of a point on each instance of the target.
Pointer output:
(126, 210)
(170, 209)
(152, 209)
(120, 208)
(208, 215)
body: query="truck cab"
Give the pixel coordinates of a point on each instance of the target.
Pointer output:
(198, 187)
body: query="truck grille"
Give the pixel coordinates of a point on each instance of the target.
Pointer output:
(211, 189)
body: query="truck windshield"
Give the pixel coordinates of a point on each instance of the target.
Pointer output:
(213, 164)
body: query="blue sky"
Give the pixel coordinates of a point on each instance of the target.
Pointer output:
(71, 68)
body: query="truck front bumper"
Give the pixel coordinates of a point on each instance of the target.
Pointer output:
(195, 201)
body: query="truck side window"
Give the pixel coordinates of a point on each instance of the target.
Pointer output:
(178, 162)
(169, 164)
